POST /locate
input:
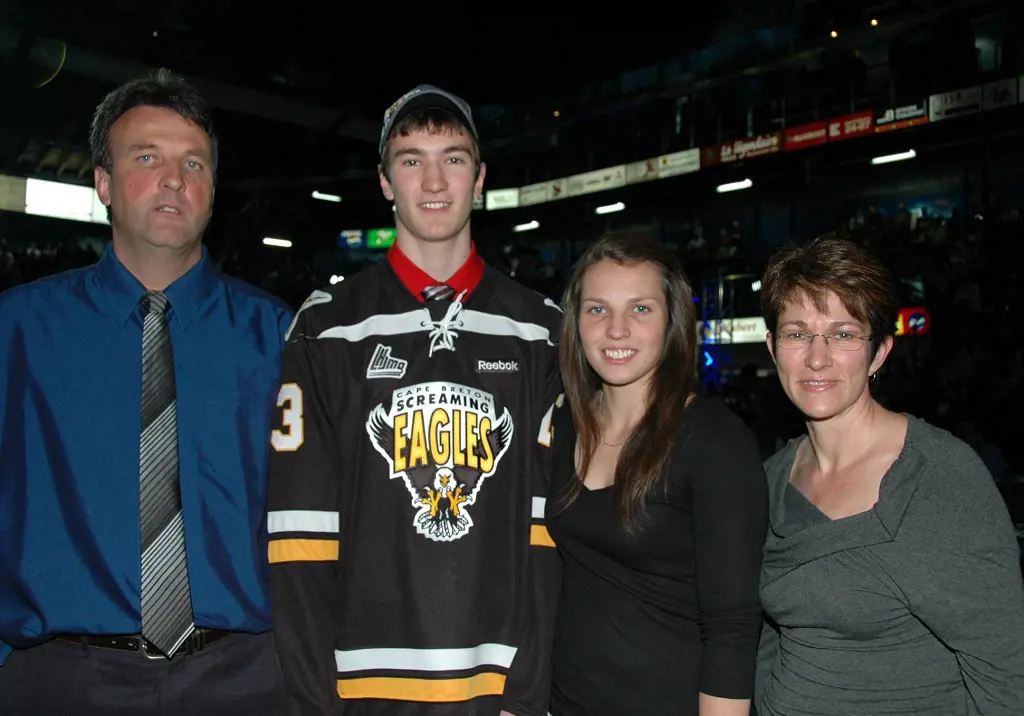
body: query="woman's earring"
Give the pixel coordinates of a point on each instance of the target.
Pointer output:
(873, 378)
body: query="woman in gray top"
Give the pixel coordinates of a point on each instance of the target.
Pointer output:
(891, 580)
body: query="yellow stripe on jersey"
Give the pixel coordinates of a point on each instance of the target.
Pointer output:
(422, 661)
(302, 550)
(423, 690)
(320, 546)
(539, 536)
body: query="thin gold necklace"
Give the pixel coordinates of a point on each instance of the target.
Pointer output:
(600, 402)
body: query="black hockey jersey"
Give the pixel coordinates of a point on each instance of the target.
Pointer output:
(410, 568)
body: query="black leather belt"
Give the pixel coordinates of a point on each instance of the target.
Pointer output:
(197, 641)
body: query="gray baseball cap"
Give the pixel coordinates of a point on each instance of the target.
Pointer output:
(425, 97)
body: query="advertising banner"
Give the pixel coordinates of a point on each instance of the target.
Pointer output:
(913, 322)
(850, 126)
(959, 103)
(502, 199)
(647, 170)
(740, 149)
(533, 194)
(676, 163)
(598, 180)
(805, 135)
(1002, 93)
(902, 117)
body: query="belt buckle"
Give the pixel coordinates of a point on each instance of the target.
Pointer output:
(144, 650)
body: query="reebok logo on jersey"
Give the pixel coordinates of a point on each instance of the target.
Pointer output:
(382, 365)
(497, 366)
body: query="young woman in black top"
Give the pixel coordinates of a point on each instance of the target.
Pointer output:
(658, 506)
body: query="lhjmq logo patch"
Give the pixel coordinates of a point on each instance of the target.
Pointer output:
(444, 440)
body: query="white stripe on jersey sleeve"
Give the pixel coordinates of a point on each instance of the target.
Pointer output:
(302, 521)
(539, 503)
(425, 659)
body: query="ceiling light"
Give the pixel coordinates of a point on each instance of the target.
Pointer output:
(898, 157)
(327, 197)
(734, 186)
(610, 208)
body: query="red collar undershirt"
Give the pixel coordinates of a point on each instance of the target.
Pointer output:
(416, 279)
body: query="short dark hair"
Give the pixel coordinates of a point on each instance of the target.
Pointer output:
(161, 88)
(646, 456)
(434, 121)
(832, 264)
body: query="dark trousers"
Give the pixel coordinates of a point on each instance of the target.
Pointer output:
(238, 674)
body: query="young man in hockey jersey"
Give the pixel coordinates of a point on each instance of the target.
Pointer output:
(411, 571)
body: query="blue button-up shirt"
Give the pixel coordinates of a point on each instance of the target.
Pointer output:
(70, 386)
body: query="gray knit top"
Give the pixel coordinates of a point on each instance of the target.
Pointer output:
(913, 607)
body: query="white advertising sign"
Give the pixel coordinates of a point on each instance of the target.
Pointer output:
(750, 329)
(684, 162)
(502, 199)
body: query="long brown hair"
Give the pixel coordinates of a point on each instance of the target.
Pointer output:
(645, 456)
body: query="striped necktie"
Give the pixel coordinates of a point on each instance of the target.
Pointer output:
(438, 292)
(166, 597)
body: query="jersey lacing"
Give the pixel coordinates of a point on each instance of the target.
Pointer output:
(442, 333)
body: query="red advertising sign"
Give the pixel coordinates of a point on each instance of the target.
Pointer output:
(740, 149)
(901, 124)
(913, 322)
(852, 125)
(902, 117)
(806, 135)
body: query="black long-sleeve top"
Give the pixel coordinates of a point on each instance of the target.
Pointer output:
(648, 622)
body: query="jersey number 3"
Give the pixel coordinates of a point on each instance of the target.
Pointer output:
(289, 437)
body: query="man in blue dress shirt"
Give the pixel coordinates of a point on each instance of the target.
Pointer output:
(136, 398)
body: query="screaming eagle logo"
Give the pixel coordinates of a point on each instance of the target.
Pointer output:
(444, 440)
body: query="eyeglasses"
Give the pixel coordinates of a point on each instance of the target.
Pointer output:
(840, 340)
